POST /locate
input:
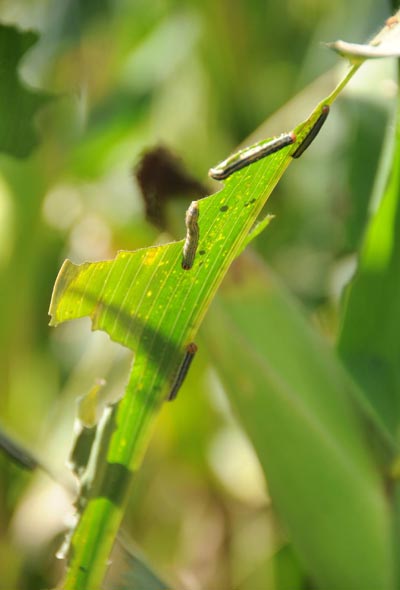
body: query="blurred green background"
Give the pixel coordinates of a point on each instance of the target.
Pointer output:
(198, 78)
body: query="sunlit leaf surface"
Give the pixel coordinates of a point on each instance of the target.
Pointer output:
(146, 301)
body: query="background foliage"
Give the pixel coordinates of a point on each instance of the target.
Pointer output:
(199, 78)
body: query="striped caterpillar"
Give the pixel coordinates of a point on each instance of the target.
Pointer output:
(191, 350)
(313, 132)
(192, 236)
(249, 155)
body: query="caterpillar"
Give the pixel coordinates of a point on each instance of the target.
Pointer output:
(313, 132)
(192, 236)
(191, 350)
(17, 453)
(249, 155)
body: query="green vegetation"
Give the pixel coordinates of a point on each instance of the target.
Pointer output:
(322, 425)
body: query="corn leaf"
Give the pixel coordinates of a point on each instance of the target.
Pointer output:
(298, 406)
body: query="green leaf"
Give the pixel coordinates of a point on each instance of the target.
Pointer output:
(296, 403)
(147, 302)
(146, 295)
(369, 338)
(18, 103)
